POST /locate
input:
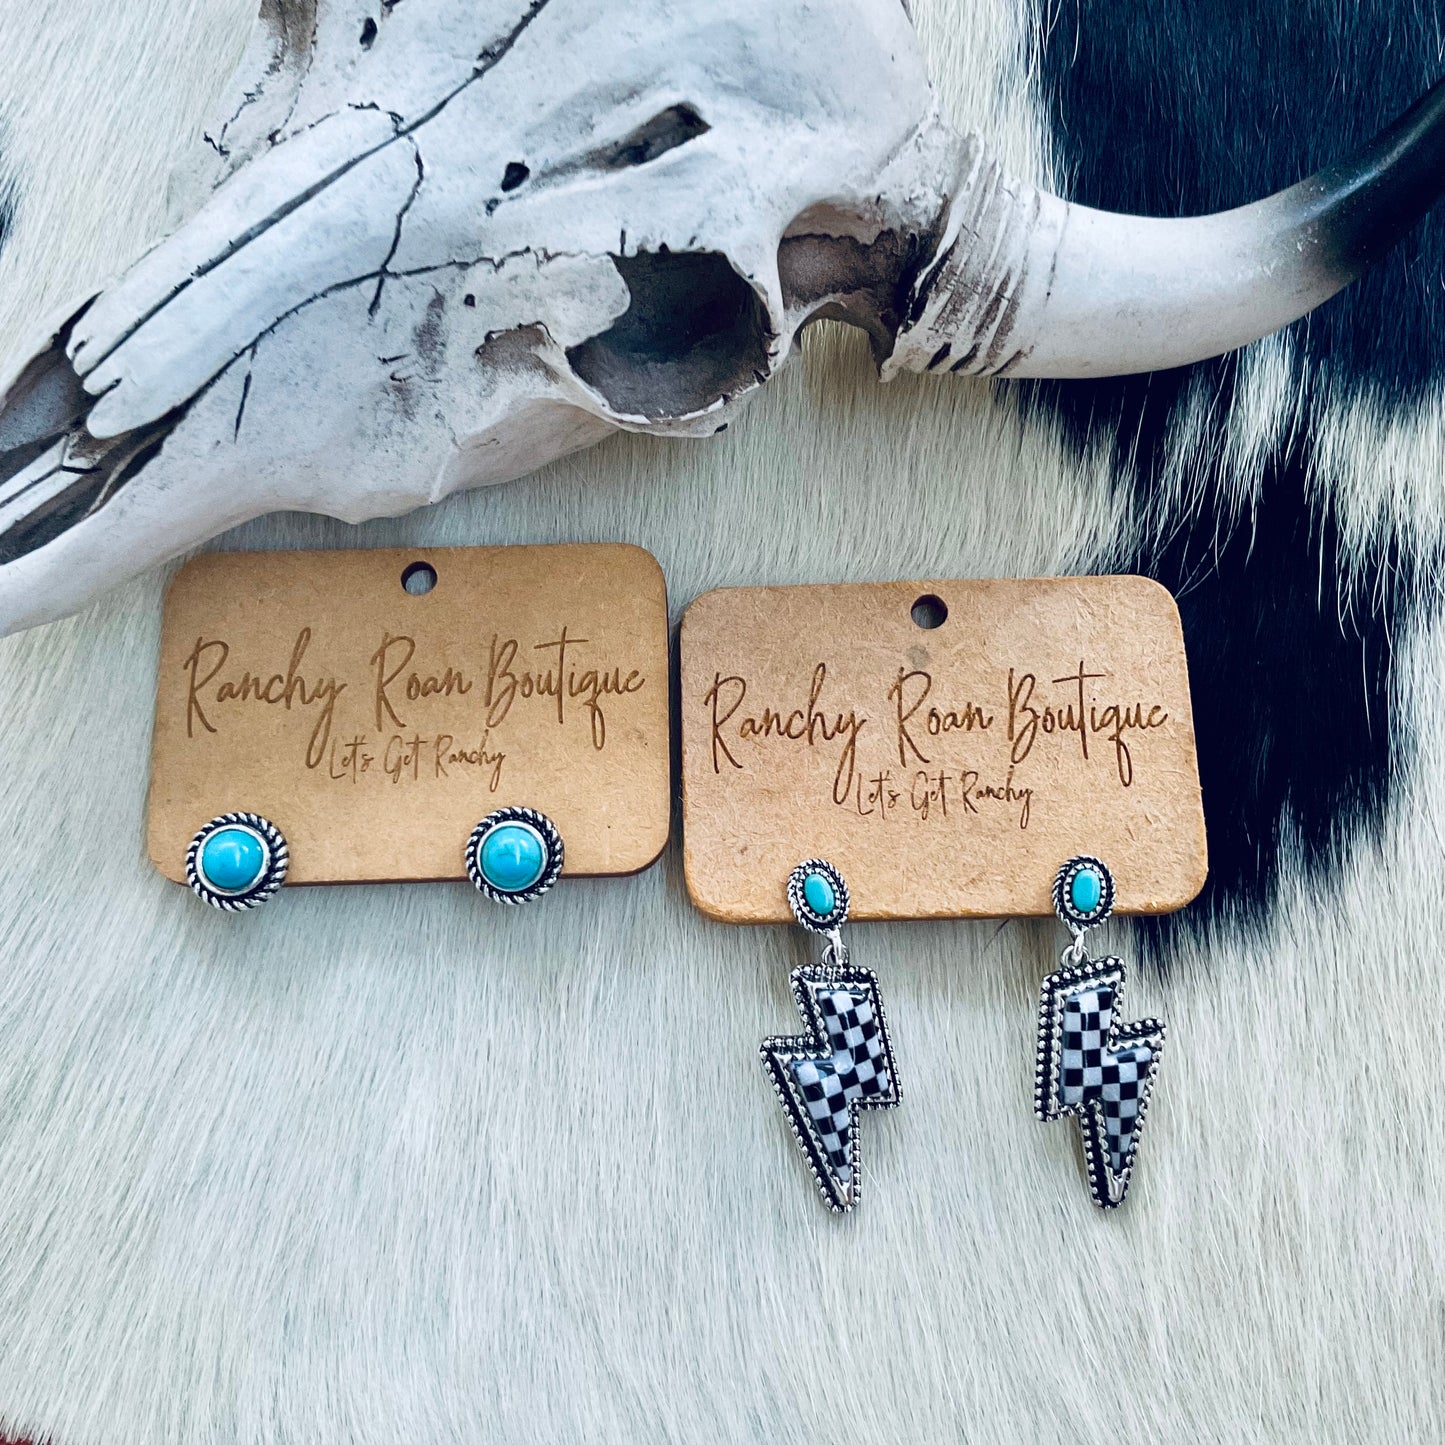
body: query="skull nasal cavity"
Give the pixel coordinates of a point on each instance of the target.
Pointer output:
(667, 130)
(694, 334)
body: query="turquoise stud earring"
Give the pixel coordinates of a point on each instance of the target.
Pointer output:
(514, 855)
(237, 861)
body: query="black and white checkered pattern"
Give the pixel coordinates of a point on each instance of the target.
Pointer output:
(1126, 1074)
(1088, 1017)
(1097, 1069)
(843, 1064)
(1089, 1071)
(857, 1069)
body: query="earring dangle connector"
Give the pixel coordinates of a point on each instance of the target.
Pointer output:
(237, 861)
(1091, 1064)
(843, 1063)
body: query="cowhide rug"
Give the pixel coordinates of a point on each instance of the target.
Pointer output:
(384, 1163)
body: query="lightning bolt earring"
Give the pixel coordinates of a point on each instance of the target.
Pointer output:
(844, 1062)
(1090, 1064)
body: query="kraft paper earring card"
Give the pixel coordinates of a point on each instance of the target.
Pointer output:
(943, 744)
(374, 704)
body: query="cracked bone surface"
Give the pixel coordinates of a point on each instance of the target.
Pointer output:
(439, 244)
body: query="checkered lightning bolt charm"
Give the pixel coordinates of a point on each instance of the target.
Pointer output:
(1090, 1063)
(843, 1064)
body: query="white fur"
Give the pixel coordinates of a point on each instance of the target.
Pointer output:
(384, 1163)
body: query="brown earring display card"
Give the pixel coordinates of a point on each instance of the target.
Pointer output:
(375, 720)
(946, 744)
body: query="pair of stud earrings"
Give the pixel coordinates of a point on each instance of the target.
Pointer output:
(1089, 1062)
(239, 860)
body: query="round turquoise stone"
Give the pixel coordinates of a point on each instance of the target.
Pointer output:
(1086, 891)
(232, 860)
(513, 857)
(819, 895)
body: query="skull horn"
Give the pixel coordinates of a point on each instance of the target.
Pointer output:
(1025, 284)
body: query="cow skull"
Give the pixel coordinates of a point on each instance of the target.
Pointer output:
(444, 242)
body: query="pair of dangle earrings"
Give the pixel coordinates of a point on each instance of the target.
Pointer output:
(239, 860)
(1089, 1062)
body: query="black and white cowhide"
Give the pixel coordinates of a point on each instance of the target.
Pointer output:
(381, 1162)
(1254, 485)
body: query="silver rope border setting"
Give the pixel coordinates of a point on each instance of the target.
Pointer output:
(273, 875)
(551, 842)
(813, 922)
(1070, 916)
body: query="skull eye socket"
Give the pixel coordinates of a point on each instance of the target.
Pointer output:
(694, 334)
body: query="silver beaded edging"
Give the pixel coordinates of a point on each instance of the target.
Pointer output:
(1107, 1188)
(551, 842)
(778, 1052)
(273, 874)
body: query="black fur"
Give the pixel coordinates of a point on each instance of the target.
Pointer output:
(1195, 106)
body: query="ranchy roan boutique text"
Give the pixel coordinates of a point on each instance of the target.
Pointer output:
(564, 677)
(916, 718)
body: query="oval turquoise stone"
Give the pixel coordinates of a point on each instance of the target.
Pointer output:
(232, 860)
(1086, 891)
(819, 895)
(513, 857)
